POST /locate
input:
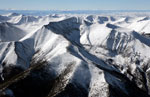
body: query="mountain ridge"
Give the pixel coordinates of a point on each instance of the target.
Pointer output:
(96, 57)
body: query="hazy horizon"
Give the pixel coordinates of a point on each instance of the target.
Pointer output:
(75, 4)
(47, 12)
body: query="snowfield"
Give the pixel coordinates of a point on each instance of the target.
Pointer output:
(74, 55)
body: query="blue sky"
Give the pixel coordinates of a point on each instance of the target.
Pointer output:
(76, 4)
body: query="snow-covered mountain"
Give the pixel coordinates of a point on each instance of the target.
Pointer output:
(74, 56)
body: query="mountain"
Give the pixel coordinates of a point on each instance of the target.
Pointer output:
(8, 32)
(74, 56)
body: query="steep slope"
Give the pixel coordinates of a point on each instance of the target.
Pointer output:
(8, 32)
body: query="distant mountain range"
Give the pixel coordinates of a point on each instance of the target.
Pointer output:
(74, 55)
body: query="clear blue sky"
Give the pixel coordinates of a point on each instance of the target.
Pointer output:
(76, 4)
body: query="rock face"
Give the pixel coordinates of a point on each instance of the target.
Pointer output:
(74, 56)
